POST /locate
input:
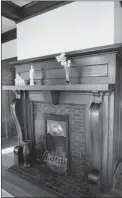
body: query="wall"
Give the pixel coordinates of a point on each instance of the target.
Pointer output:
(77, 25)
(118, 22)
(9, 49)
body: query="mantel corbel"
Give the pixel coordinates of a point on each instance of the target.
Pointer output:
(95, 130)
(21, 94)
(96, 137)
(51, 97)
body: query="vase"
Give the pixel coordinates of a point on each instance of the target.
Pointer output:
(67, 71)
(27, 154)
(18, 155)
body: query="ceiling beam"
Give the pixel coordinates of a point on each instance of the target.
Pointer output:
(35, 8)
(10, 10)
(121, 3)
(8, 36)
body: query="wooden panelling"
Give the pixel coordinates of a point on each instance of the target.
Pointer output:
(99, 70)
(109, 126)
(120, 136)
(8, 36)
(36, 96)
(38, 66)
(75, 98)
(118, 112)
(91, 60)
(89, 69)
(8, 73)
(60, 73)
(4, 127)
(117, 116)
(105, 145)
(37, 75)
(60, 81)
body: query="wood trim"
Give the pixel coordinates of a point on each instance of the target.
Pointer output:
(18, 127)
(95, 133)
(105, 143)
(90, 51)
(10, 59)
(10, 10)
(8, 36)
(95, 145)
(35, 8)
(51, 97)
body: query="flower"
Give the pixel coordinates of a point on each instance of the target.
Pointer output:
(63, 60)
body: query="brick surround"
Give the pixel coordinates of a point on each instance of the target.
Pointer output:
(76, 127)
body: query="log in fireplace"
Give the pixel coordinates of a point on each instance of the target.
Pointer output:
(79, 125)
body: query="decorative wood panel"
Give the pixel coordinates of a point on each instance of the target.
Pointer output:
(89, 69)
(99, 70)
(60, 81)
(7, 74)
(37, 75)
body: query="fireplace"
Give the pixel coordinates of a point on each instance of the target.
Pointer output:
(74, 124)
(70, 118)
(57, 142)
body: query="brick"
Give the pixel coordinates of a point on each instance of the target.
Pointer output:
(77, 131)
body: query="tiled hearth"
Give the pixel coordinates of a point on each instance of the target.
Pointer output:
(61, 186)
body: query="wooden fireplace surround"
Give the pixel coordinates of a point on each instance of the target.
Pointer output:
(98, 85)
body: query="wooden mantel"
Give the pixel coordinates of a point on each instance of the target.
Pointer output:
(77, 87)
(51, 93)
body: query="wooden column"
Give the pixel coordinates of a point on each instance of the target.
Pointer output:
(22, 111)
(95, 130)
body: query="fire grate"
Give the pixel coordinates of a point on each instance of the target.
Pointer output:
(60, 185)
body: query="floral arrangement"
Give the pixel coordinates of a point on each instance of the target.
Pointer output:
(65, 63)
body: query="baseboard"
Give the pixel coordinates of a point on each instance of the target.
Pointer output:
(117, 173)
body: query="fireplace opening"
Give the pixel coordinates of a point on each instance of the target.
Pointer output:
(57, 143)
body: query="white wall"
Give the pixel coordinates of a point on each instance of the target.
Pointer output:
(77, 25)
(9, 49)
(118, 22)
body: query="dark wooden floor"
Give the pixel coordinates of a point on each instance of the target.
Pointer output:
(19, 187)
(15, 185)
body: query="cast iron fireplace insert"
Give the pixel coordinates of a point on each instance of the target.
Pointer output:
(58, 143)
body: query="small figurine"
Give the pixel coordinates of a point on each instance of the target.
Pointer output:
(31, 75)
(19, 81)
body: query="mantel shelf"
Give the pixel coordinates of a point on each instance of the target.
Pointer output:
(70, 87)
